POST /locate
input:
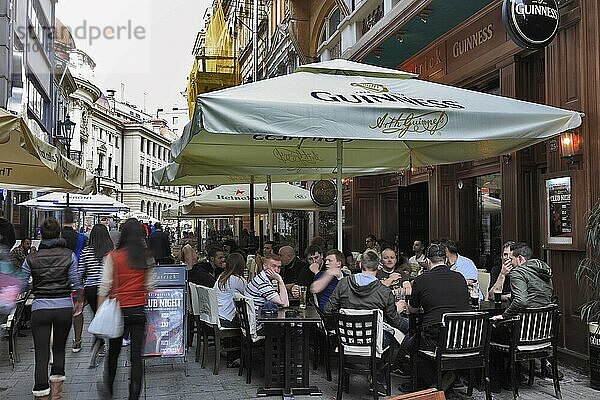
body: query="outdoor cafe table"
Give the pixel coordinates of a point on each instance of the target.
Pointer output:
(287, 336)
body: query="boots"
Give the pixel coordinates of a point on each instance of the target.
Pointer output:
(41, 394)
(57, 387)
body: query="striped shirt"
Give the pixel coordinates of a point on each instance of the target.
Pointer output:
(260, 290)
(89, 266)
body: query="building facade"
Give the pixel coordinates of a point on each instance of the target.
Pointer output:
(486, 202)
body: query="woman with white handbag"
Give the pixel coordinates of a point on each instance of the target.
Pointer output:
(127, 277)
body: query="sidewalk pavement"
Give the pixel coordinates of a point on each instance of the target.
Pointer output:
(172, 379)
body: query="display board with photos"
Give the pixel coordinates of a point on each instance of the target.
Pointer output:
(165, 314)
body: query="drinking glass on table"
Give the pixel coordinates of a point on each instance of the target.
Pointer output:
(302, 292)
(498, 296)
(474, 294)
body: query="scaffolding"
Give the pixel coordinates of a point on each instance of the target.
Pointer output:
(215, 66)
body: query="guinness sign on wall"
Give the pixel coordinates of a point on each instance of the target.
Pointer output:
(532, 24)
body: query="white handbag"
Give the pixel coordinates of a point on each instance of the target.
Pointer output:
(108, 321)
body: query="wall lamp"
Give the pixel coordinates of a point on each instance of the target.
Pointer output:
(424, 15)
(570, 143)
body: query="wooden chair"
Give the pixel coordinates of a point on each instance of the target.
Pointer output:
(428, 394)
(208, 314)
(196, 313)
(360, 340)
(463, 343)
(534, 334)
(245, 310)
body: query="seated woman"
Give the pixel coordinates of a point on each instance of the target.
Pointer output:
(230, 282)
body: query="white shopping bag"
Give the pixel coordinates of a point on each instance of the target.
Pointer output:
(108, 321)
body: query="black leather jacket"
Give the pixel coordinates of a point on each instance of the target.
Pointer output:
(50, 269)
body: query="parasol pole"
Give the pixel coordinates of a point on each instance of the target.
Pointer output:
(270, 213)
(252, 209)
(340, 160)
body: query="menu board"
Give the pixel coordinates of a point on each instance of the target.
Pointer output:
(165, 314)
(560, 227)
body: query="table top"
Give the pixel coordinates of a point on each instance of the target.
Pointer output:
(294, 314)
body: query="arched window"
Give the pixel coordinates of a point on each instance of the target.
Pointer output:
(160, 206)
(148, 208)
(330, 25)
(142, 206)
(154, 210)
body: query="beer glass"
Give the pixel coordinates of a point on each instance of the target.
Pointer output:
(302, 291)
(474, 295)
(498, 296)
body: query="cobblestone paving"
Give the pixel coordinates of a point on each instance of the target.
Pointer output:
(179, 379)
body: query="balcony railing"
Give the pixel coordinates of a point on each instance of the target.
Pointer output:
(370, 20)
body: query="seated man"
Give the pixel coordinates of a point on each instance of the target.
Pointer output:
(499, 277)
(291, 265)
(326, 280)
(207, 272)
(418, 261)
(260, 288)
(392, 274)
(459, 263)
(363, 291)
(437, 292)
(530, 282)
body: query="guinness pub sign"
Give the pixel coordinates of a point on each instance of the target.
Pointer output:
(532, 24)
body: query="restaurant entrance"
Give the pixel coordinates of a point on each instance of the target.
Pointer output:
(413, 216)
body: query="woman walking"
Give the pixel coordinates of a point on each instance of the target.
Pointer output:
(53, 269)
(90, 270)
(127, 276)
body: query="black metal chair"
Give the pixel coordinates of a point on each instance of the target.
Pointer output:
(11, 326)
(463, 343)
(360, 341)
(534, 335)
(325, 340)
(245, 310)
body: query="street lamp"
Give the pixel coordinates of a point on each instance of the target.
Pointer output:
(98, 171)
(65, 132)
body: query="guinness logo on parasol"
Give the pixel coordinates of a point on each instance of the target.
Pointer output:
(323, 193)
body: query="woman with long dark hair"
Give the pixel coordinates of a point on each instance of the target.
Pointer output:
(127, 276)
(230, 281)
(90, 270)
(53, 269)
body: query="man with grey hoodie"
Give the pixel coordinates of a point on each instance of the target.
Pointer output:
(530, 282)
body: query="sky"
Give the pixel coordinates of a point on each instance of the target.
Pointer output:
(146, 45)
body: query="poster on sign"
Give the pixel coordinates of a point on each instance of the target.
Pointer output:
(165, 313)
(560, 229)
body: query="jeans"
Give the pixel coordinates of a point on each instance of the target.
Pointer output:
(135, 321)
(42, 323)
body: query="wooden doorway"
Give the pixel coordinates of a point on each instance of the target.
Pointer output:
(413, 216)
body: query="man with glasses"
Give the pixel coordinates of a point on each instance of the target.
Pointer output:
(500, 274)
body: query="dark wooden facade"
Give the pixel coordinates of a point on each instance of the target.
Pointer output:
(566, 74)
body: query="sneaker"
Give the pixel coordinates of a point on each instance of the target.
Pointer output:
(76, 346)
(125, 342)
(401, 373)
(406, 387)
(102, 351)
(381, 389)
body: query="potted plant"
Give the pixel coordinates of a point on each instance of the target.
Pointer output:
(588, 277)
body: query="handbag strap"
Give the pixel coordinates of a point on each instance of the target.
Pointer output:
(115, 285)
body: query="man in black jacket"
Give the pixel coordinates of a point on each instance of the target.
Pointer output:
(159, 244)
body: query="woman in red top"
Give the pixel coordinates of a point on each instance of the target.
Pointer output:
(127, 276)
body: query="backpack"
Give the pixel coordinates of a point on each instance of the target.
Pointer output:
(79, 245)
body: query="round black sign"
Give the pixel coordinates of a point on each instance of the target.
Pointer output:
(532, 24)
(323, 193)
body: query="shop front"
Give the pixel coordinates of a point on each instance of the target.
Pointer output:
(487, 202)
